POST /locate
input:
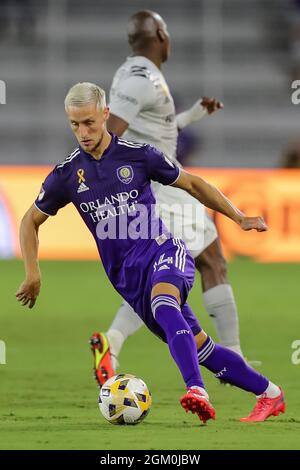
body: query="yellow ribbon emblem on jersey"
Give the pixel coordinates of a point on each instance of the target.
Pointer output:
(80, 173)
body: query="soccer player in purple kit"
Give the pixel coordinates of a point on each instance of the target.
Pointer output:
(108, 180)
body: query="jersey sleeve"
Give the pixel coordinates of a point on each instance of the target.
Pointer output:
(159, 167)
(52, 196)
(131, 96)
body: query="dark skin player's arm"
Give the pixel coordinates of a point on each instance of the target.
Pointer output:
(116, 125)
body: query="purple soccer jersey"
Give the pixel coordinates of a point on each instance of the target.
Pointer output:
(114, 198)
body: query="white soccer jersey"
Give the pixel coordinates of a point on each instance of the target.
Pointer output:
(140, 96)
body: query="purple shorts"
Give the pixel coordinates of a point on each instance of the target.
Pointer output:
(172, 263)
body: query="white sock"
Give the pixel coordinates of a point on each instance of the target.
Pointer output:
(116, 340)
(220, 304)
(272, 391)
(125, 323)
(202, 390)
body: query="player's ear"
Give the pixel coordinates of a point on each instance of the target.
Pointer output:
(106, 113)
(161, 35)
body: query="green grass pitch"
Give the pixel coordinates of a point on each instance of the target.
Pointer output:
(48, 398)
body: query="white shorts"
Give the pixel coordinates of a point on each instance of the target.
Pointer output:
(185, 218)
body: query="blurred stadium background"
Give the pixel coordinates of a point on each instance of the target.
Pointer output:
(244, 52)
(241, 51)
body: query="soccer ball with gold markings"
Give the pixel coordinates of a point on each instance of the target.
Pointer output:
(124, 399)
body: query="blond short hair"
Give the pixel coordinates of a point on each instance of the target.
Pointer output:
(85, 93)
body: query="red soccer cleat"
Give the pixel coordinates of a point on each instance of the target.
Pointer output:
(264, 408)
(103, 368)
(195, 402)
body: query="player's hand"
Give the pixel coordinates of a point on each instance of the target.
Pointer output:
(28, 291)
(254, 223)
(211, 104)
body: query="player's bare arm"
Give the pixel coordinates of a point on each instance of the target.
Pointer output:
(30, 287)
(214, 199)
(116, 125)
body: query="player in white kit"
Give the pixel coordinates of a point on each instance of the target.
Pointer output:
(142, 110)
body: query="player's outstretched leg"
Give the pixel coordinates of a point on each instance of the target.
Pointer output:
(167, 313)
(125, 323)
(232, 368)
(106, 347)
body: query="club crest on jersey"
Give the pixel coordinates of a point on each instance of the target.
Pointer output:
(81, 180)
(125, 174)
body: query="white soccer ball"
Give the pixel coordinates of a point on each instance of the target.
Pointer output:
(124, 399)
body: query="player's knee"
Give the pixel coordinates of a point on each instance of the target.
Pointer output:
(165, 288)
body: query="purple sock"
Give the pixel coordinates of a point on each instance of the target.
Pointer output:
(167, 313)
(231, 367)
